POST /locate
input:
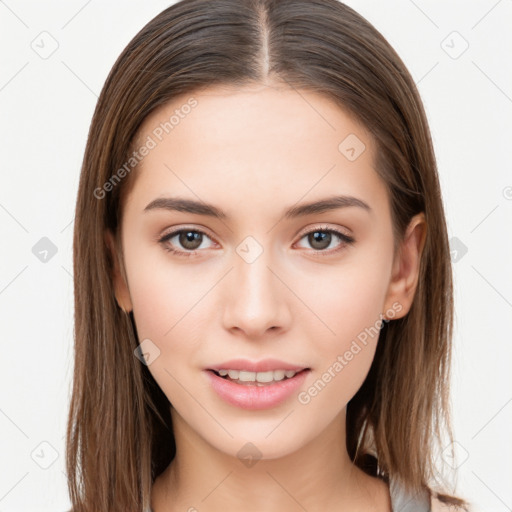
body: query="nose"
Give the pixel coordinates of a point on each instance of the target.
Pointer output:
(256, 298)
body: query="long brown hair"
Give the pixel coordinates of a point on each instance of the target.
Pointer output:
(119, 436)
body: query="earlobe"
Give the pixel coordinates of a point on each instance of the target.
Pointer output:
(406, 265)
(120, 286)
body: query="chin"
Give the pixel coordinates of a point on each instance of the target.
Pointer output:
(262, 445)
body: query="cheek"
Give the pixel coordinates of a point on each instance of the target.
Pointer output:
(345, 350)
(168, 311)
(172, 304)
(349, 302)
(163, 293)
(345, 299)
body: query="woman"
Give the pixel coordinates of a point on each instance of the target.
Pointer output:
(263, 291)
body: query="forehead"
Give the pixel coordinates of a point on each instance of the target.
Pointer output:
(263, 110)
(257, 142)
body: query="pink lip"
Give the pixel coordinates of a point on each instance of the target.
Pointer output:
(259, 366)
(253, 397)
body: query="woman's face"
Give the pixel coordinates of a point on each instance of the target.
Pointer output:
(251, 282)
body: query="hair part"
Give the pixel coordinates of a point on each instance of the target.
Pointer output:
(119, 436)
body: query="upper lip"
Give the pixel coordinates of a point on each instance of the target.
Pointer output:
(265, 365)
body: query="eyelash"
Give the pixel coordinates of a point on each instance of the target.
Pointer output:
(345, 240)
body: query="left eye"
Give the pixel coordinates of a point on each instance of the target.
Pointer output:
(320, 239)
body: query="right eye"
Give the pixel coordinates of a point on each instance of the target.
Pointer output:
(189, 239)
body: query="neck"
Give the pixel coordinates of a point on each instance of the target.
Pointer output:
(318, 477)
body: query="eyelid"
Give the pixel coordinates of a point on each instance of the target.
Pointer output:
(323, 227)
(177, 229)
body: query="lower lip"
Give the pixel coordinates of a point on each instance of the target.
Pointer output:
(253, 397)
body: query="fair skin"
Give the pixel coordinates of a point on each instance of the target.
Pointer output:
(254, 152)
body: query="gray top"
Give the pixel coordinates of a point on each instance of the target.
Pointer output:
(402, 501)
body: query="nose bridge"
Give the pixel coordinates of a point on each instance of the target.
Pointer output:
(255, 298)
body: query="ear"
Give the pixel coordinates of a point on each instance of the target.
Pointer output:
(406, 266)
(121, 290)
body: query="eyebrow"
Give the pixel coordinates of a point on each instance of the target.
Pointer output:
(201, 208)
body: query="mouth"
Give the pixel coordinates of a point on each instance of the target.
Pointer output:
(248, 378)
(256, 390)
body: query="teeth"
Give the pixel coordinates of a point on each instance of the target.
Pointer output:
(279, 374)
(244, 376)
(233, 374)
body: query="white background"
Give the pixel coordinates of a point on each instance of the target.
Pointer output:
(46, 107)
